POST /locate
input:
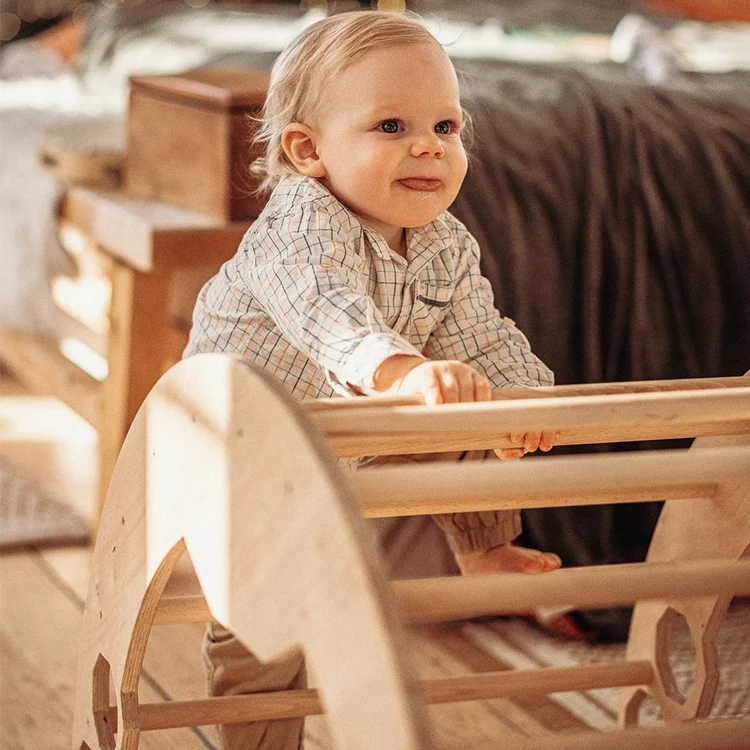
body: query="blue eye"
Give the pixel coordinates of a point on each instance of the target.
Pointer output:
(444, 128)
(389, 126)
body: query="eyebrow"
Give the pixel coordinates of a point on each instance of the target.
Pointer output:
(384, 112)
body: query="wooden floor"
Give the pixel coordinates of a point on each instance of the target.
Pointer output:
(42, 594)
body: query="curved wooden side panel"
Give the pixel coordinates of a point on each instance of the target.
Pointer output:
(221, 461)
(699, 529)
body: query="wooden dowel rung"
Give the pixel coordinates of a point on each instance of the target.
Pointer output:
(556, 391)
(390, 444)
(464, 597)
(295, 703)
(489, 685)
(601, 586)
(708, 406)
(415, 489)
(584, 419)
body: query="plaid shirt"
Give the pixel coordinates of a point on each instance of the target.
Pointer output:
(319, 300)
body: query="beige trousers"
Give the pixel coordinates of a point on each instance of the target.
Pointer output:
(410, 546)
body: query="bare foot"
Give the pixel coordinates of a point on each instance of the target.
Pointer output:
(507, 559)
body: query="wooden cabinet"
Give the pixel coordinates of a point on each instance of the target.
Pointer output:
(190, 140)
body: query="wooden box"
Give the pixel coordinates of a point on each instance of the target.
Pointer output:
(189, 140)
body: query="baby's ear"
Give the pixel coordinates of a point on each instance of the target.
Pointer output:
(298, 142)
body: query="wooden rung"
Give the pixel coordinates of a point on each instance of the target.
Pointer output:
(580, 420)
(713, 734)
(416, 489)
(594, 587)
(295, 703)
(597, 586)
(555, 391)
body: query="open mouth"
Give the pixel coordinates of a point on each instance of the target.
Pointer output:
(423, 184)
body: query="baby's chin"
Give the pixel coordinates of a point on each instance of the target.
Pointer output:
(416, 213)
(413, 219)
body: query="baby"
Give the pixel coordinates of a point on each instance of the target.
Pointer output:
(355, 280)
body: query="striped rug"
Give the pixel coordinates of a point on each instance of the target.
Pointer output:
(29, 516)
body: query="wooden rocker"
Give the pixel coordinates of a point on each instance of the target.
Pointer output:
(222, 463)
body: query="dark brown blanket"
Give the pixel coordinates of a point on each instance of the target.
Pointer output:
(614, 222)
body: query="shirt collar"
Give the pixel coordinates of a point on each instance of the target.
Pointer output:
(425, 242)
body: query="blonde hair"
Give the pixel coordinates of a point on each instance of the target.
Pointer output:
(321, 51)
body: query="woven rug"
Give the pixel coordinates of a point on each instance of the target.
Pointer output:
(29, 516)
(522, 645)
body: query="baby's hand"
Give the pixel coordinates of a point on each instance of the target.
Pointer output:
(438, 382)
(530, 442)
(446, 382)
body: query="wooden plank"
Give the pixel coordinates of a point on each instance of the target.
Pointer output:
(145, 233)
(38, 363)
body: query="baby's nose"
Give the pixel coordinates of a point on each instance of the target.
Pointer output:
(428, 143)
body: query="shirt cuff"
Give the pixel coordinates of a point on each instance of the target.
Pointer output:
(357, 375)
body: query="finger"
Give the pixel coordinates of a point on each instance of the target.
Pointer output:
(508, 454)
(531, 442)
(432, 393)
(450, 387)
(517, 437)
(548, 440)
(482, 388)
(465, 381)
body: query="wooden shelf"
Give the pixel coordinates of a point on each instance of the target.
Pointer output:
(36, 361)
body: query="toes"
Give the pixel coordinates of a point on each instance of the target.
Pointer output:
(532, 565)
(539, 562)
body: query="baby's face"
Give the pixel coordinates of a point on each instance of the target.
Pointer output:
(388, 134)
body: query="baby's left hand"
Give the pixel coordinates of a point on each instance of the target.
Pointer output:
(530, 442)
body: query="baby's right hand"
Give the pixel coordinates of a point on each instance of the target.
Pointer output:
(439, 381)
(446, 382)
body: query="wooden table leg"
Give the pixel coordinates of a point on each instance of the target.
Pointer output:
(138, 353)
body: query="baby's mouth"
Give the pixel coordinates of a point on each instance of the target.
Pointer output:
(423, 184)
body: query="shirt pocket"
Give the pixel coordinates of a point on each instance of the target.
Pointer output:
(430, 304)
